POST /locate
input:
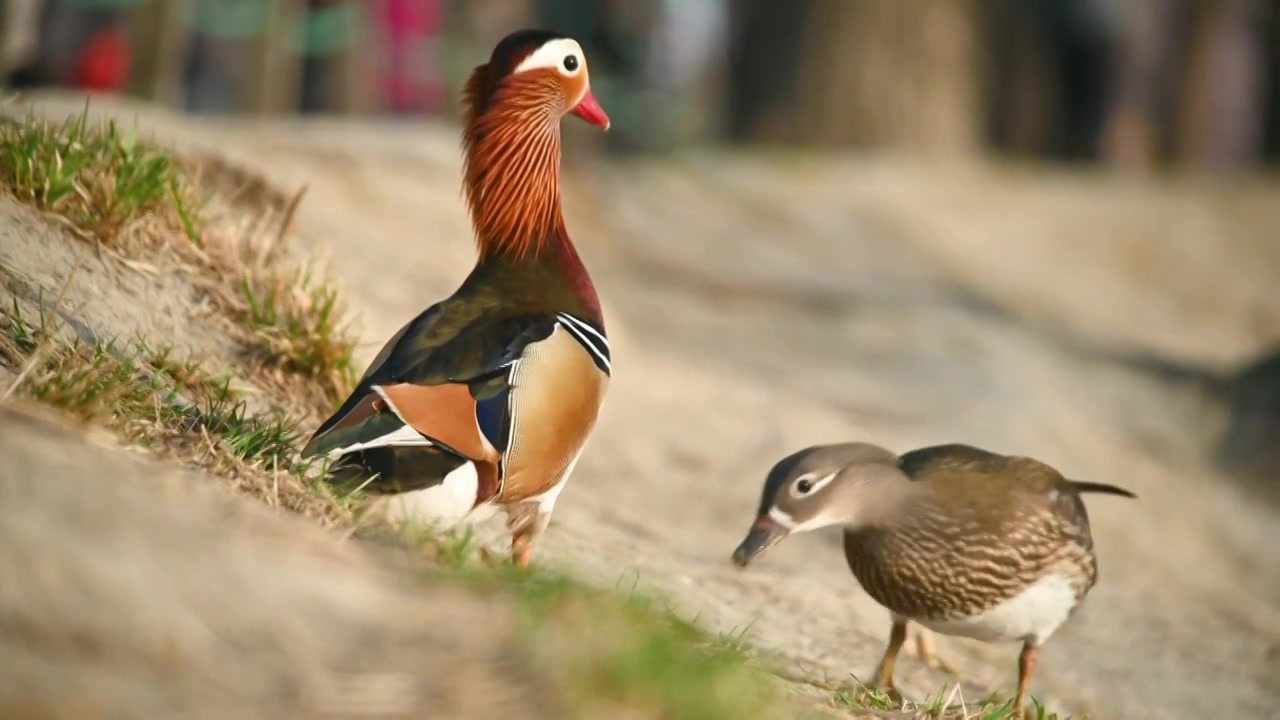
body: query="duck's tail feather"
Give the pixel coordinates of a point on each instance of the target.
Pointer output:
(1083, 486)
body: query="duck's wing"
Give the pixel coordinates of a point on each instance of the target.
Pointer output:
(439, 394)
(1018, 494)
(964, 465)
(954, 459)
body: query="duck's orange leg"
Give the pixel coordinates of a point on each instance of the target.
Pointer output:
(521, 550)
(884, 671)
(1026, 666)
(927, 652)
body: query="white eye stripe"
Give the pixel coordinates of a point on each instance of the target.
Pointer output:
(816, 483)
(552, 55)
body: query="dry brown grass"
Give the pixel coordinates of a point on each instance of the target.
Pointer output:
(171, 406)
(284, 312)
(296, 318)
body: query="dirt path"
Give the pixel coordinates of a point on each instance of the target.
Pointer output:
(757, 305)
(150, 637)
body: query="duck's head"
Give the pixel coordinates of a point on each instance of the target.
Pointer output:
(511, 138)
(535, 73)
(814, 488)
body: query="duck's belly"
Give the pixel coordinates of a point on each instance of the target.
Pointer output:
(1033, 614)
(444, 505)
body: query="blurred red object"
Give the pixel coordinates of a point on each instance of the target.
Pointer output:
(103, 63)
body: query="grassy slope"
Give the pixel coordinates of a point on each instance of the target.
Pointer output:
(127, 199)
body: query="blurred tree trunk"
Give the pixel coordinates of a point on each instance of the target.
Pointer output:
(764, 50)
(1221, 104)
(10, 36)
(1141, 106)
(875, 72)
(274, 81)
(1019, 103)
(333, 42)
(1271, 134)
(158, 34)
(20, 33)
(1051, 72)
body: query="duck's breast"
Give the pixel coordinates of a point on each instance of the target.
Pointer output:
(557, 391)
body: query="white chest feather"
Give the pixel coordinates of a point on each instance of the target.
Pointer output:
(1033, 614)
(449, 503)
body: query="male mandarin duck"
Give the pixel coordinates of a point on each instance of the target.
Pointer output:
(498, 386)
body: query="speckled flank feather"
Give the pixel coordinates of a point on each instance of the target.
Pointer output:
(928, 567)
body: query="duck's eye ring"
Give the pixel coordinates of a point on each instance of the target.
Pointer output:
(570, 62)
(804, 485)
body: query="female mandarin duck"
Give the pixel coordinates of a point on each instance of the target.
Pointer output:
(955, 538)
(499, 385)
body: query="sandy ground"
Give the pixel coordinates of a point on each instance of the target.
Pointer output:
(760, 304)
(111, 622)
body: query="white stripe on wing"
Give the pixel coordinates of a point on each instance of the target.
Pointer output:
(587, 336)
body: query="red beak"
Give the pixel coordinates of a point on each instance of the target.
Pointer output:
(588, 109)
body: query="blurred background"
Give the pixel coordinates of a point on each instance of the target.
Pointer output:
(1135, 88)
(1136, 85)
(1045, 227)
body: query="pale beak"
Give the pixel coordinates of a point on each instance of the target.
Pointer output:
(588, 109)
(765, 533)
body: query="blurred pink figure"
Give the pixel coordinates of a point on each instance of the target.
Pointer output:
(413, 80)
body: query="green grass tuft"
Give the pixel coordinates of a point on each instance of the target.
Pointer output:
(125, 386)
(135, 197)
(946, 705)
(627, 653)
(98, 176)
(270, 439)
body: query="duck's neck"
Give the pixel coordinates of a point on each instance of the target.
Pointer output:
(553, 277)
(512, 182)
(883, 500)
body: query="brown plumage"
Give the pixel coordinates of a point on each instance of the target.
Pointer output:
(961, 540)
(986, 528)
